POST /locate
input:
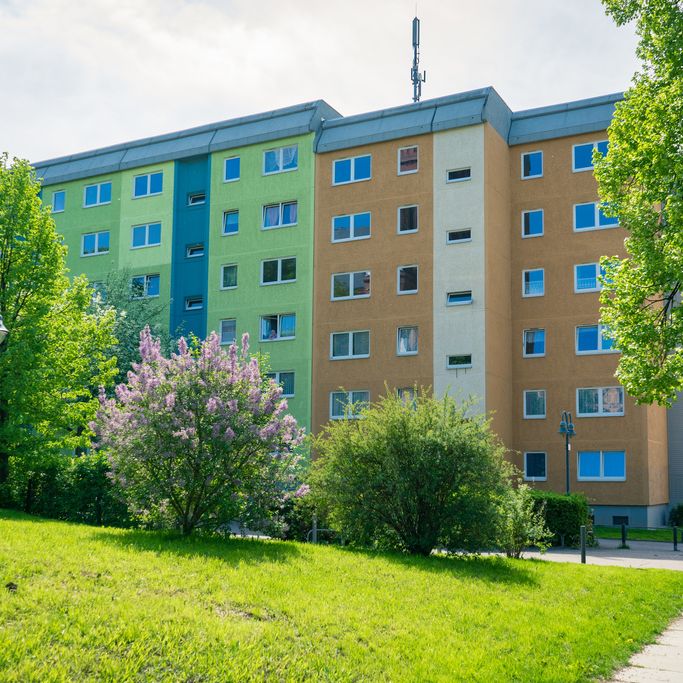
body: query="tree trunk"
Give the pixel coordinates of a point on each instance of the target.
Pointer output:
(4, 456)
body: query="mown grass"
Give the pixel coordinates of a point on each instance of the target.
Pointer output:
(117, 605)
(663, 535)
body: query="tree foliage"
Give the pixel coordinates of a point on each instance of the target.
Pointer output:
(201, 438)
(56, 351)
(641, 181)
(412, 477)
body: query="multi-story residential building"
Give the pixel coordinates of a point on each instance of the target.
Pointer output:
(450, 243)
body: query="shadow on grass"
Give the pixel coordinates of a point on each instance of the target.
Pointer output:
(232, 551)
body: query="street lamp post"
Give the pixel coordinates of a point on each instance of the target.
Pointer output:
(567, 428)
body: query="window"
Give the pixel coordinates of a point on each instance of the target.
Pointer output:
(276, 327)
(344, 345)
(534, 404)
(194, 303)
(285, 380)
(586, 277)
(144, 286)
(532, 165)
(229, 276)
(600, 402)
(455, 236)
(351, 285)
(590, 216)
(456, 362)
(457, 175)
(593, 339)
(228, 331)
(533, 343)
(407, 219)
(58, 201)
(94, 195)
(582, 156)
(535, 466)
(231, 222)
(407, 160)
(95, 243)
(407, 279)
(231, 169)
(196, 198)
(533, 282)
(194, 250)
(277, 271)
(408, 396)
(459, 298)
(602, 466)
(281, 159)
(99, 291)
(148, 184)
(351, 227)
(348, 404)
(148, 235)
(351, 170)
(532, 223)
(280, 215)
(406, 341)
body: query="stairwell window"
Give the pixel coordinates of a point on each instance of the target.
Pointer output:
(457, 236)
(462, 361)
(458, 175)
(459, 298)
(194, 303)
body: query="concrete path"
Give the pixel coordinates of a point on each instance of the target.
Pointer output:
(658, 663)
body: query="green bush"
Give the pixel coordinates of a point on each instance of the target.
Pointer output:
(412, 477)
(676, 515)
(564, 515)
(522, 523)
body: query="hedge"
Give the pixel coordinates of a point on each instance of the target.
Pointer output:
(564, 515)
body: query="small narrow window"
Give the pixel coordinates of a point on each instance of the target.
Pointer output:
(406, 341)
(407, 160)
(196, 198)
(455, 236)
(229, 276)
(231, 171)
(457, 175)
(194, 250)
(231, 222)
(532, 223)
(407, 279)
(228, 331)
(459, 298)
(532, 165)
(58, 201)
(194, 303)
(459, 362)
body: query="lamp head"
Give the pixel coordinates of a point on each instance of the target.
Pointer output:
(563, 426)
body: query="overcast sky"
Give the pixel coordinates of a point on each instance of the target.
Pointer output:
(79, 75)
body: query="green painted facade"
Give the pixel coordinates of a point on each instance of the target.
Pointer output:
(253, 244)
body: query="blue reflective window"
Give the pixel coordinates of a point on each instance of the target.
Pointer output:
(58, 201)
(232, 168)
(605, 221)
(589, 464)
(606, 343)
(342, 171)
(152, 285)
(584, 216)
(89, 244)
(139, 235)
(290, 157)
(583, 156)
(363, 167)
(614, 464)
(289, 213)
(103, 242)
(361, 224)
(341, 226)
(532, 165)
(91, 195)
(271, 161)
(602, 147)
(140, 186)
(156, 182)
(105, 193)
(586, 276)
(231, 222)
(533, 282)
(154, 233)
(532, 223)
(534, 342)
(587, 338)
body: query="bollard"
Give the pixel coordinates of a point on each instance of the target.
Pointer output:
(315, 529)
(675, 539)
(623, 535)
(583, 543)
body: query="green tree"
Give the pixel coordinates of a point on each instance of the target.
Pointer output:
(641, 181)
(412, 476)
(55, 353)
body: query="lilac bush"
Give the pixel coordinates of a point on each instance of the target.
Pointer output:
(201, 438)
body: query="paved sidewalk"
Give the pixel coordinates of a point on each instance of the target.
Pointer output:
(658, 663)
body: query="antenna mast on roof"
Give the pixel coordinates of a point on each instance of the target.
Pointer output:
(415, 76)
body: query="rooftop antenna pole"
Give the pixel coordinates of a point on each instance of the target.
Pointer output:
(415, 76)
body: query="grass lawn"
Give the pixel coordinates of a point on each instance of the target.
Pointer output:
(116, 605)
(664, 535)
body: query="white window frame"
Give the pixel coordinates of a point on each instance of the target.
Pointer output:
(398, 280)
(545, 343)
(540, 234)
(145, 288)
(279, 328)
(225, 213)
(521, 158)
(584, 144)
(97, 251)
(527, 478)
(352, 228)
(56, 192)
(459, 180)
(350, 338)
(460, 303)
(462, 241)
(464, 366)
(190, 306)
(601, 412)
(147, 243)
(349, 395)
(225, 169)
(353, 170)
(223, 267)
(276, 379)
(198, 245)
(596, 213)
(280, 153)
(598, 286)
(191, 195)
(351, 295)
(220, 329)
(279, 280)
(527, 295)
(545, 404)
(398, 340)
(398, 159)
(99, 193)
(601, 476)
(599, 351)
(149, 185)
(398, 219)
(280, 224)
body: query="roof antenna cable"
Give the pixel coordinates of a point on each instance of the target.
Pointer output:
(416, 77)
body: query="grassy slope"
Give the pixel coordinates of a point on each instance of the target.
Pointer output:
(663, 535)
(122, 606)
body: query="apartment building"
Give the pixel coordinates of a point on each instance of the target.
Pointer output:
(449, 243)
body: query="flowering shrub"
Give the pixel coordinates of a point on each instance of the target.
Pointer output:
(201, 438)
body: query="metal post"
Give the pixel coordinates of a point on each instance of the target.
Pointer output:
(623, 535)
(675, 539)
(315, 528)
(566, 459)
(583, 543)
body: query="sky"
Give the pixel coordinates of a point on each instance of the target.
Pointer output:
(80, 75)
